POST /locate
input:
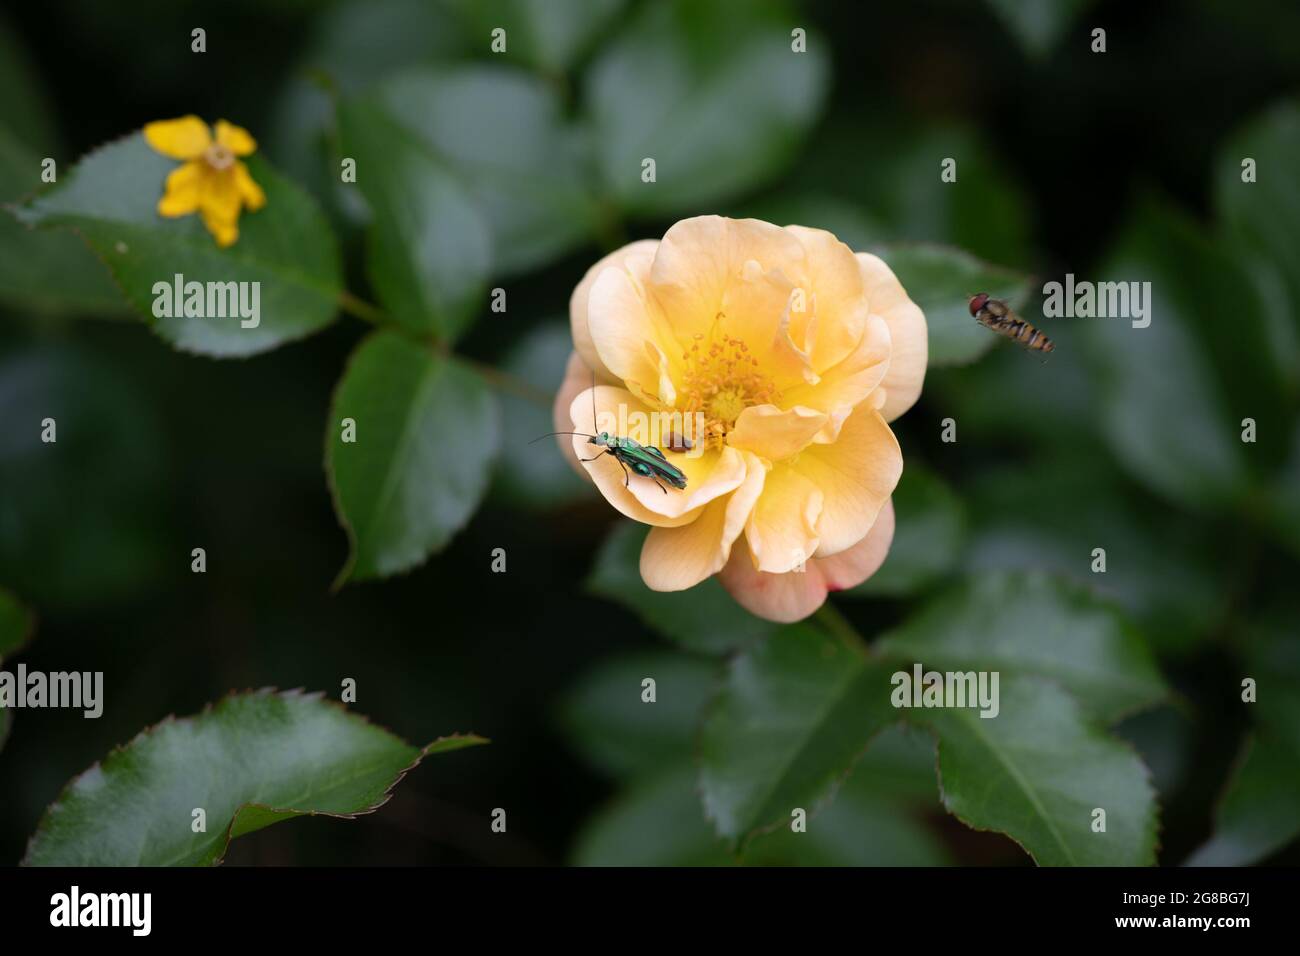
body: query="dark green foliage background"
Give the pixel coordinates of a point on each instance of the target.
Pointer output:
(1067, 162)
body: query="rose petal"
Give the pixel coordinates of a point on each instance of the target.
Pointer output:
(673, 559)
(642, 250)
(577, 379)
(782, 528)
(775, 433)
(857, 474)
(907, 328)
(847, 385)
(700, 260)
(854, 565)
(836, 296)
(793, 596)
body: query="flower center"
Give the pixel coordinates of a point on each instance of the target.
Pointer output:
(218, 157)
(721, 380)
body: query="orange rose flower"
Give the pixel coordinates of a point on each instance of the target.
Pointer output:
(789, 354)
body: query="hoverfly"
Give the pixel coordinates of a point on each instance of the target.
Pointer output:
(997, 315)
(644, 460)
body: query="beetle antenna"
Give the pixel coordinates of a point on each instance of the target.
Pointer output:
(553, 434)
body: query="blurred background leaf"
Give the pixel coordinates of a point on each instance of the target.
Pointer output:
(1259, 810)
(606, 716)
(534, 476)
(525, 167)
(108, 458)
(1039, 24)
(16, 624)
(43, 273)
(1263, 218)
(703, 619)
(888, 166)
(717, 118)
(1174, 394)
(548, 34)
(929, 532)
(429, 250)
(941, 281)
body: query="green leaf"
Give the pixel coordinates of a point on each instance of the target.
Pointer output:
(703, 619)
(929, 532)
(717, 117)
(427, 432)
(618, 732)
(527, 169)
(1034, 624)
(941, 281)
(1263, 217)
(1037, 771)
(1039, 24)
(251, 760)
(549, 34)
(429, 250)
(1179, 432)
(16, 625)
(537, 476)
(110, 198)
(794, 714)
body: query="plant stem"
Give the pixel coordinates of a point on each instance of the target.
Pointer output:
(834, 621)
(361, 309)
(512, 384)
(503, 381)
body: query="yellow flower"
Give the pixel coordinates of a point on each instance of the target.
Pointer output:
(212, 182)
(793, 353)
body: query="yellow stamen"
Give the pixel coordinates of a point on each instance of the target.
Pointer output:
(218, 157)
(720, 381)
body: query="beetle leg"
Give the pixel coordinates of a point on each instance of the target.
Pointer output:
(661, 487)
(627, 481)
(601, 455)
